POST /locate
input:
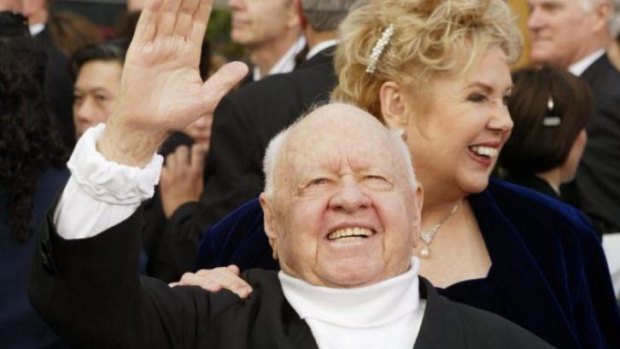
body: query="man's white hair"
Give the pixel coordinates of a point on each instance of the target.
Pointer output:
(277, 145)
(613, 23)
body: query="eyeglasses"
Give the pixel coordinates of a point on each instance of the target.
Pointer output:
(13, 24)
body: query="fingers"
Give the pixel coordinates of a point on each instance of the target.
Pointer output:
(200, 22)
(182, 158)
(168, 17)
(147, 23)
(220, 83)
(217, 279)
(197, 161)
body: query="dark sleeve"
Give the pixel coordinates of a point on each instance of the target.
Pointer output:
(90, 293)
(238, 239)
(233, 176)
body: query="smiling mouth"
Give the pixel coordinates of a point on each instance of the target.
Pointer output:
(485, 152)
(349, 233)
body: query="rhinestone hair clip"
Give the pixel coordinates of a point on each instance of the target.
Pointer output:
(378, 49)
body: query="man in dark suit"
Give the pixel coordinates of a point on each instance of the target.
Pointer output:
(342, 212)
(243, 124)
(573, 34)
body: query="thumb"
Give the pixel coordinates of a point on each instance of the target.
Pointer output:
(220, 83)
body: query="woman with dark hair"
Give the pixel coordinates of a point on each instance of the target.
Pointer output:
(32, 172)
(550, 109)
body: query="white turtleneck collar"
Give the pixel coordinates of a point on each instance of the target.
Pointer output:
(384, 315)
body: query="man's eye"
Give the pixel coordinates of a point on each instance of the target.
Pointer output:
(377, 182)
(318, 181)
(506, 99)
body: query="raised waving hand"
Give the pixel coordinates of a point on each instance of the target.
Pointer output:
(161, 87)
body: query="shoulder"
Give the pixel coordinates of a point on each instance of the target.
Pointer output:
(518, 203)
(309, 78)
(603, 77)
(543, 223)
(486, 329)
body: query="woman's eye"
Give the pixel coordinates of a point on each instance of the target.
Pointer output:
(477, 97)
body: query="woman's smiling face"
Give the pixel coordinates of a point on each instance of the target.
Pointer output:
(456, 137)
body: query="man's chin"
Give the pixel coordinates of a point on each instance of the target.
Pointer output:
(540, 55)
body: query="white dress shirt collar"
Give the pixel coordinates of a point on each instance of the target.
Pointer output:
(286, 64)
(579, 67)
(36, 28)
(320, 47)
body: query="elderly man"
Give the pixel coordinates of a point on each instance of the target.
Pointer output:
(342, 213)
(573, 34)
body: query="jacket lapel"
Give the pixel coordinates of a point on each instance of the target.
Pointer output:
(441, 327)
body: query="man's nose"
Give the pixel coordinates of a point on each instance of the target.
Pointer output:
(84, 111)
(535, 19)
(349, 197)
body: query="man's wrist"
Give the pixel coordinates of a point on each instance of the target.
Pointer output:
(129, 146)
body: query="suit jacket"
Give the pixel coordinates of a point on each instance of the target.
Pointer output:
(90, 294)
(548, 268)
(598, 176)
(244, 123)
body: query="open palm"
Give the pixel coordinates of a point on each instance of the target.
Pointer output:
(161, 87)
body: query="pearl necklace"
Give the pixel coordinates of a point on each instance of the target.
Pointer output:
(428, 235)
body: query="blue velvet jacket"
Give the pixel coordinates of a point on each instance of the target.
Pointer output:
(548, 263)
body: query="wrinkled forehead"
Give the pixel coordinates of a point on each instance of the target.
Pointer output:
(340, 135)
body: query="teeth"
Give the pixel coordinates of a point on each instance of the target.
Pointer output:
(349, 232)
(485, 151)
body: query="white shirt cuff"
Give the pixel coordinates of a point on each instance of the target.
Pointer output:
(101, 193)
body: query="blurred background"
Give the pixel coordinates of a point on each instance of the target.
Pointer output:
(107, 13)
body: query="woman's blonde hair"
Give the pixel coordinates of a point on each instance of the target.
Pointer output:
(430, 37)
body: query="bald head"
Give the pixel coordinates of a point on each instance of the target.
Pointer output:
(335, 122)
(342, 206)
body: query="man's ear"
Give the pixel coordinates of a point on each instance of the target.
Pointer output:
(603, 12)
(295, 15)
(269, 224)
(393, 107)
